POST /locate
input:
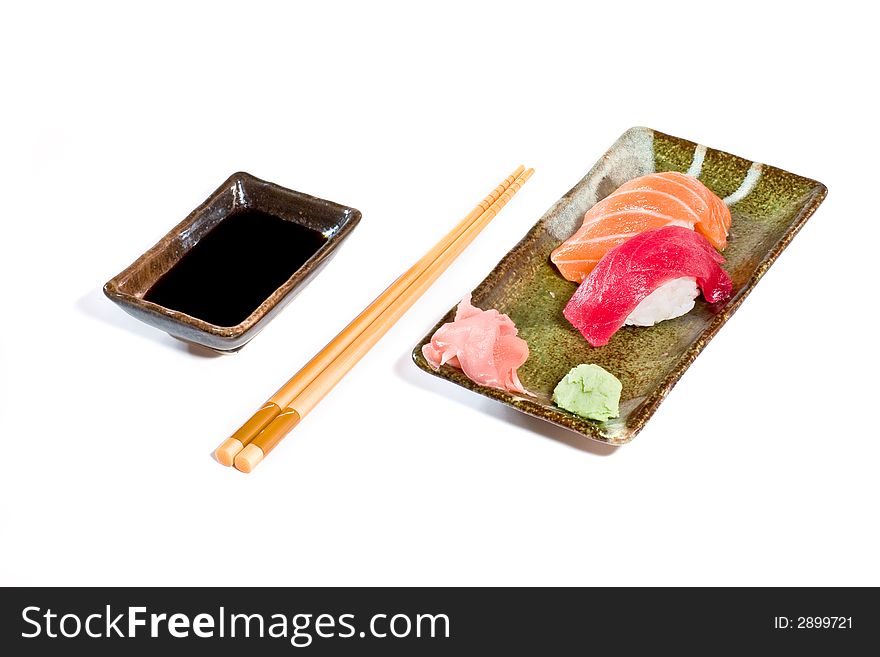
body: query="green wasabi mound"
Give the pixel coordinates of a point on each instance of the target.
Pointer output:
(589, 391)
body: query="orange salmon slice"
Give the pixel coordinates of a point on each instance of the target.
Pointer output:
(645, 203)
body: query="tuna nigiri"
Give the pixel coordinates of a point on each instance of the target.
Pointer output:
(644, 203)
(483, 343)
(629, 273)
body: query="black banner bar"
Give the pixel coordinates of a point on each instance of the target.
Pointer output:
(408, 621)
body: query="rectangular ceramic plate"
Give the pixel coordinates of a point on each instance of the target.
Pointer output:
(768, 206)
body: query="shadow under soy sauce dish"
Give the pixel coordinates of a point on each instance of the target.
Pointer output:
(221, 274)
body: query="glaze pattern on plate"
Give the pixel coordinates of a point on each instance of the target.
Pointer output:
(768, 206)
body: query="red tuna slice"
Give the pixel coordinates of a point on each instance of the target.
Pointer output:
(483, 344)
(630, 272)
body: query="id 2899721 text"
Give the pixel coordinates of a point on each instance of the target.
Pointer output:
(812, 623)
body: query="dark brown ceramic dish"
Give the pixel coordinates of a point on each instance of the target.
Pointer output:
(241, 196)
(768, 206)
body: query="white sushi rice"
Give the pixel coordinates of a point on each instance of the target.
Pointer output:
(672, 299)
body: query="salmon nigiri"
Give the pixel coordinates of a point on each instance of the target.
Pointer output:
(644, 203)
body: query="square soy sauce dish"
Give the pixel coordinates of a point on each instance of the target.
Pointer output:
(221, 274)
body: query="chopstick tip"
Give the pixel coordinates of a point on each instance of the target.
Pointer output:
(225, 454)
(248, 458)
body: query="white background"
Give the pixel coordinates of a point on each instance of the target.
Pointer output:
(759, 468)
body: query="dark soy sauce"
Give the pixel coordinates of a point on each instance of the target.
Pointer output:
(235, 267)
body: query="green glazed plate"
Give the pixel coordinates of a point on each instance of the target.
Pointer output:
(768, 205)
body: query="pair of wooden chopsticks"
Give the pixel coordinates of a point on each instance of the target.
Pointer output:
(265, 429)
